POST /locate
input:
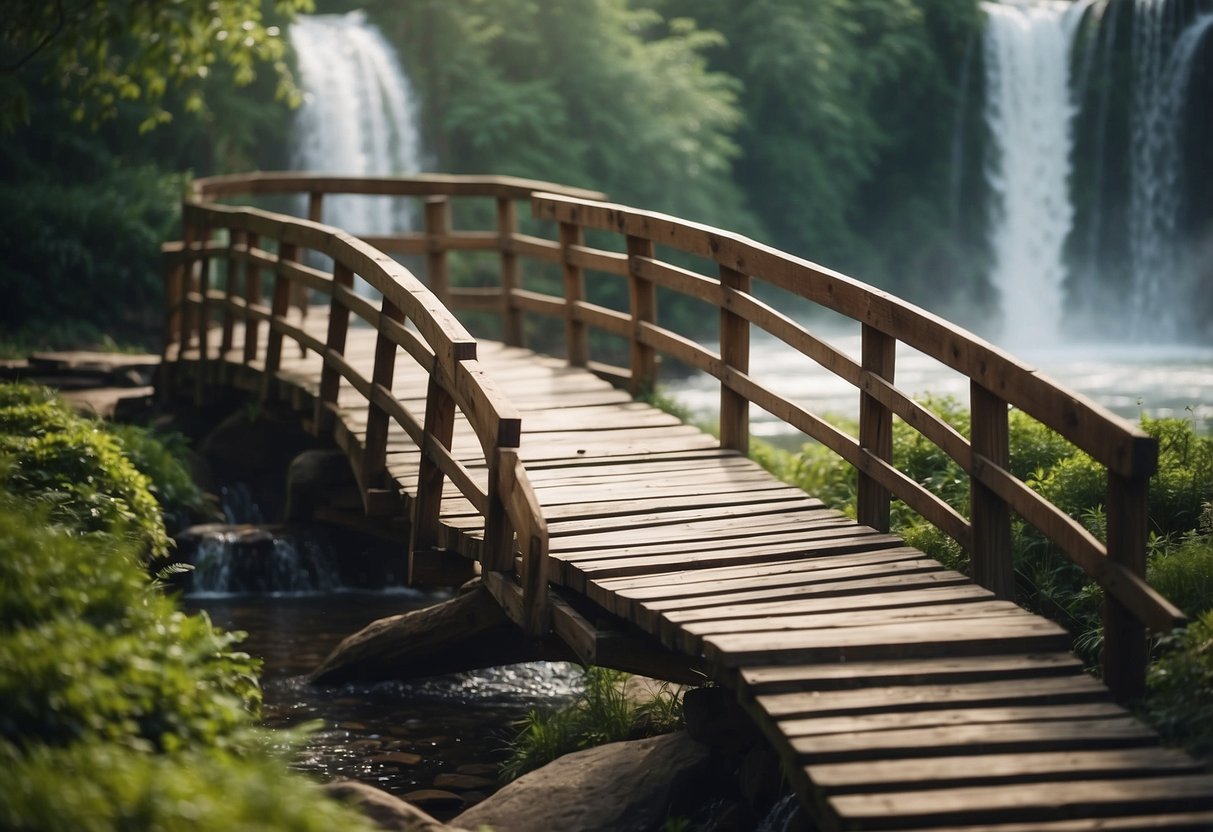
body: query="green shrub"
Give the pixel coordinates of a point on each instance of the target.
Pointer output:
(1178, 702)
(89, 650)
(602, 713)
(79, 469)
(108, 788)
(162, 457)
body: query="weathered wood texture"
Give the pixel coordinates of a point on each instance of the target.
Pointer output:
(902, 695)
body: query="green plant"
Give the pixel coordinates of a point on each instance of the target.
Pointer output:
(1178, 702)
(76, 468)
(603, 712)
(164, 458)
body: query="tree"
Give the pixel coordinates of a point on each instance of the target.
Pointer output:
(102, 53)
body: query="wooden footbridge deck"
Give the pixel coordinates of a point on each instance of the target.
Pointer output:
(900, 694)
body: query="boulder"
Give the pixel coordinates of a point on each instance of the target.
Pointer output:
(632, 785)
(384, 810)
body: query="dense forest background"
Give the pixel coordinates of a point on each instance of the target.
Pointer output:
(828, 129)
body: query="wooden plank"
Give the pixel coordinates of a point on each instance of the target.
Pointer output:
(1042, 802)
(887, 721)
(988, 769)
(950, 740)
(1197, 821)
(816, 704)
(1013, 634)
(761, 679)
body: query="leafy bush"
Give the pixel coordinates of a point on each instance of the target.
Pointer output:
(1178, 702)
(77, 469)
(162, 457)
(603, 712)
(108, 788)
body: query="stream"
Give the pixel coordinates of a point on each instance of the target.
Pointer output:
(436, 742)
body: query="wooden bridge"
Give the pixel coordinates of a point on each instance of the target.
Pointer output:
(900, 694)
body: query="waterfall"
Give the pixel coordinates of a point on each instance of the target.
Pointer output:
(358, 116)
(1030, 112)
(1163, 68)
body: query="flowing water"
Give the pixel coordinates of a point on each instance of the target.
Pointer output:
(1030, 112)
(358, 116)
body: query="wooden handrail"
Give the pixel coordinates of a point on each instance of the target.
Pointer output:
(998, 381)
(411, 320)
(415, 317)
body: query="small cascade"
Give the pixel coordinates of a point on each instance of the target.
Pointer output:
(1163, 61)
(251, 559)
(358, 116)
(1030, 113)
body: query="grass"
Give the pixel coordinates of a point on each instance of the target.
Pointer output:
(604, 712)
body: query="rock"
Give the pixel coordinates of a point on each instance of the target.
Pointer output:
(433, 797)
(384, 810)
(399, 758)
(311, 480)
(622, 786)
(479, 769)
(463, 782)
(464, 633)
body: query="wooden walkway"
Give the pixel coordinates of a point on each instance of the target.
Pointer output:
(900, 694)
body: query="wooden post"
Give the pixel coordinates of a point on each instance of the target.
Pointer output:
(252, 296)
(202, 280)
(643, 297)
(735, 354)
(879, 352)
(497, 554)
(437, 226)
(236, 241)
(512, 328)
(1125, 648)
(427, 508)
(339, 324)
(990, 438)
(374, 459)
(575, 336)
(279, 306)
(315, 206)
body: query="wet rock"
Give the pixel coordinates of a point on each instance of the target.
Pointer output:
(384, 810)
(437, 798)
(312, 478)
(479, 770)
(463, 782)
(618, 787)
(399, 758)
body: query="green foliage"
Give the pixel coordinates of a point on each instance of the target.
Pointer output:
(106, 55)
(108, 788)
(604, 712)
(597, 93)
(163, 458)
(1178, 702)
(78, 470)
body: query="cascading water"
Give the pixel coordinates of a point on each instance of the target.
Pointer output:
(358, 116)
(1163, 64)
(1030, 112)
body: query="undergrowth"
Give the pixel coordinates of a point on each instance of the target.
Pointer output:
(603, 712)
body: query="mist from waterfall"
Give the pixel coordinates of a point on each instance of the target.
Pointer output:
(358, 116)
(1030, 113)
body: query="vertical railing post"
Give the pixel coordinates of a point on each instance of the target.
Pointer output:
(427, 508)
(202, 285)
(575, 336)
(1125, 648)
(643, 300)
(279, 307)
(989, 433)
(374, 458)
(437, 227)
(498, 552)
(879, 352)
(735, 355)
(236, 242)
(252, 297)
(513, 332)
(339, 324)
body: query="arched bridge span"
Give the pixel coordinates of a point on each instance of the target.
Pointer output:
(901, 694)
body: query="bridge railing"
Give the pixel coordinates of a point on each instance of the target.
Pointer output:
(997, 382)
(222, 325)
